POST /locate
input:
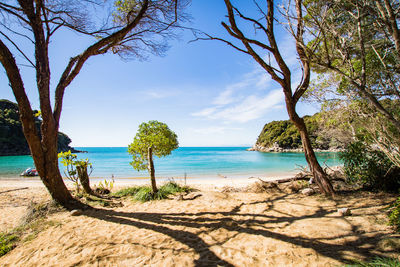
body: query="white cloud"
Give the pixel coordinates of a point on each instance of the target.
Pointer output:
(256, 93)
(224, 98)
(247, 109)
(159, 94)
(205, 112)
(244, 101)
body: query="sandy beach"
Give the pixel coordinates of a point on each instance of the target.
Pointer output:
(210, 227)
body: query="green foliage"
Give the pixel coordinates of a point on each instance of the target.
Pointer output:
(323, 133)
(71, 162)
(123, 8)
(377, 262)
(12, 138)
(105, 186)
(172, 188)
(153, 134)
(394, 216)
(129, 191)
(7, 243)
(144, 193)
(369, 167)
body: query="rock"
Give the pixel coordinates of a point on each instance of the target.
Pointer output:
(307, 191)
(344, 212)
(76, 212)
(292, 188)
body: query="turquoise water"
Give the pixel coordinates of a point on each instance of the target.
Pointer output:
(194, 161)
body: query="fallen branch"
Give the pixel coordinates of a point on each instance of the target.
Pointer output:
(22, 188)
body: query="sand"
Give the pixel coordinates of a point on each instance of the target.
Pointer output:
(213, 229)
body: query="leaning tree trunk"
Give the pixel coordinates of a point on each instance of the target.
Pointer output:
(46, 163)
(84, 179)
(318, 173)
(150, 167)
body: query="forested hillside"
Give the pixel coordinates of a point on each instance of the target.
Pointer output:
(283, 135)
(12, 139)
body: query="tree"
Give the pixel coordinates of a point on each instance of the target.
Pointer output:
(77, 170)
(358, 59)
(152, 138)
(357, 42)
(263, 53)
(129, 28)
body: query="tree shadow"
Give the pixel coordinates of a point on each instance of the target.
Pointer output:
(236, 222)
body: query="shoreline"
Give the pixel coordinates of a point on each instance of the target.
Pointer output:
(277, 149)
(206, 180)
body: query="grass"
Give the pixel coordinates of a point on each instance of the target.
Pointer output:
(7, 242)
(34, 222)
(23, 233)
(144, 193)
(377, 262)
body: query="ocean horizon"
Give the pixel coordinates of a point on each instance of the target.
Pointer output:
(193, 162)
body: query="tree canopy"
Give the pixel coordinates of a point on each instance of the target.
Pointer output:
(156, 135)
(357, 57)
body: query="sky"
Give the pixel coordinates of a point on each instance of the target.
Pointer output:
(208, 93)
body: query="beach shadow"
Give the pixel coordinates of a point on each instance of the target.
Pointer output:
(236, 222)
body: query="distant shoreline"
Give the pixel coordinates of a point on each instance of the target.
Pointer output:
(277, 149)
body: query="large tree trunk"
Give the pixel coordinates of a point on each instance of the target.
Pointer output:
(84, 179)
(47, 166)
(320, 176)
(150, 167)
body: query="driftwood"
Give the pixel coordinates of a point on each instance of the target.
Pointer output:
(297, 178)
(286, 180)
(22, 188)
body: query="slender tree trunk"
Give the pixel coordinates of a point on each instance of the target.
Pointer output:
(319, 175)
(150, 167)
(84, 179)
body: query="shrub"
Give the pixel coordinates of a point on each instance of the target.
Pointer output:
(144, 193)
(125, 192)
(369, 168)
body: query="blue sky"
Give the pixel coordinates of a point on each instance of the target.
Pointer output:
(207, 92)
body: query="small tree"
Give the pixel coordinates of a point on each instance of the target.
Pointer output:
(153, 137)
(77, 170)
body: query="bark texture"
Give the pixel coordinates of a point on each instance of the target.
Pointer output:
(150, 167)
(84, 179)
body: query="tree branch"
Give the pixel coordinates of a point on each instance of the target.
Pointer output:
(76, 63)
(17, 86)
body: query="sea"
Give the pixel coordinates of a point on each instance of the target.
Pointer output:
(191, 162)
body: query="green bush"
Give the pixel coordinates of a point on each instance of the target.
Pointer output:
(125, 192)
(369, 168)
(7, 243)
(144, 193)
